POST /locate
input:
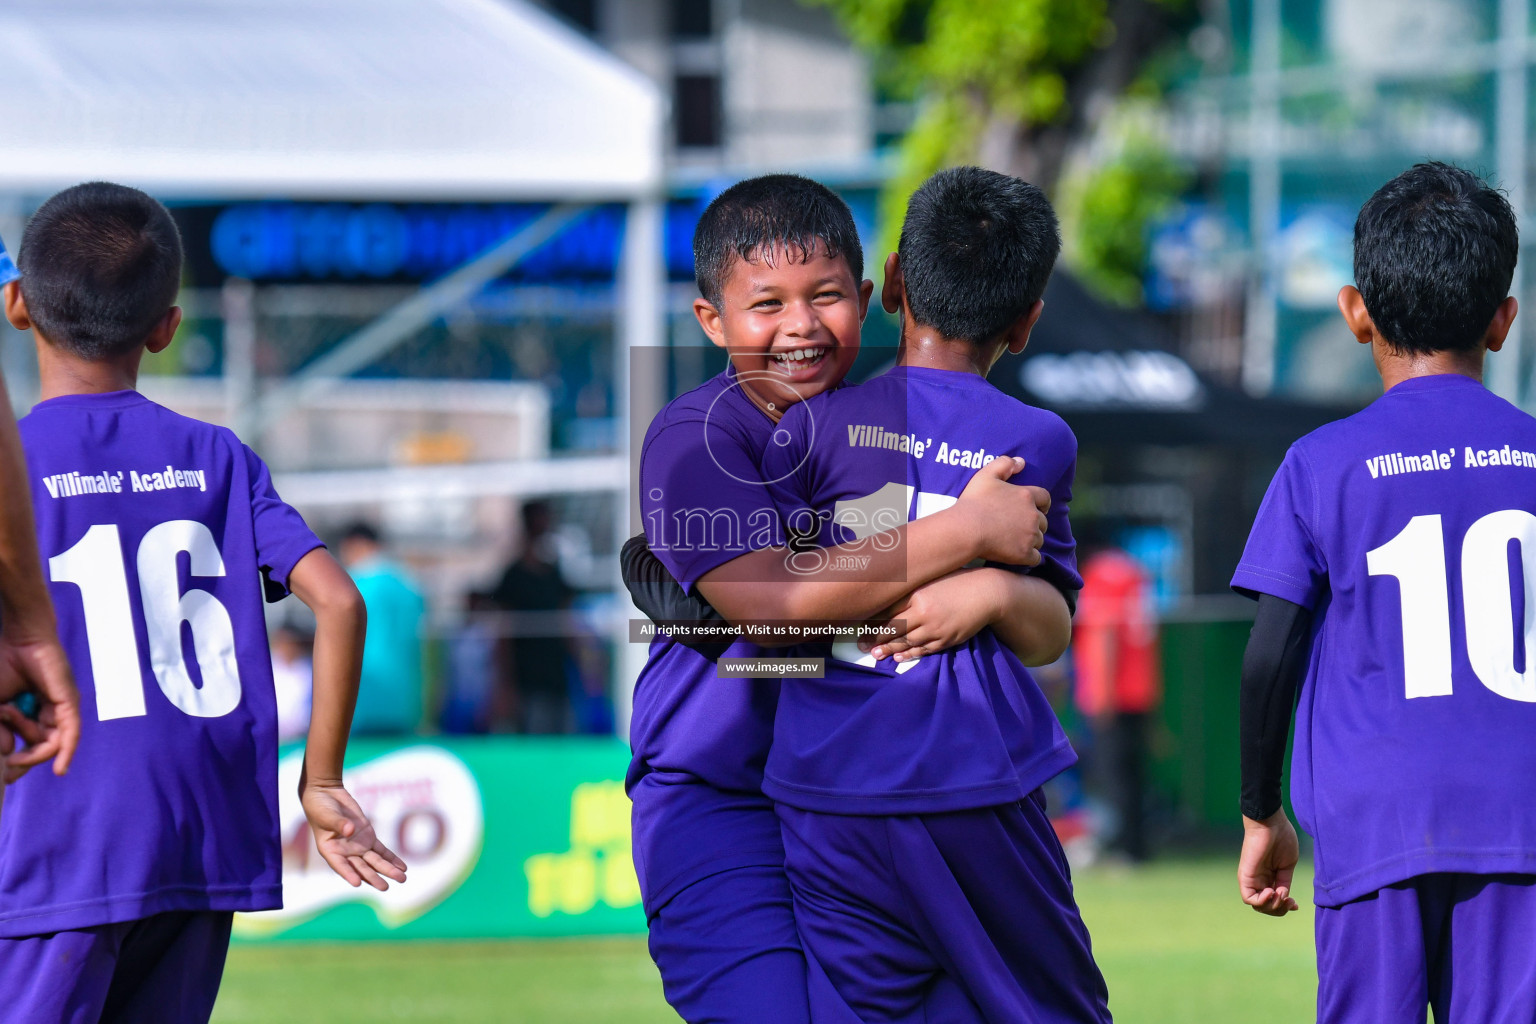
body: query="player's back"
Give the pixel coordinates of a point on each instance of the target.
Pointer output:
(1410, 530)
(156, 531)
(964, 728)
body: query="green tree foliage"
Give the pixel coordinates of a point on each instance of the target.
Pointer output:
(1106, 204)
(1009, 84)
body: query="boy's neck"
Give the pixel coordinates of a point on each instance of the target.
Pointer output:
(1396, 367)
(63, 373)
(925, 347)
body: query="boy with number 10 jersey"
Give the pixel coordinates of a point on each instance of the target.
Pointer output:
(1394, 558)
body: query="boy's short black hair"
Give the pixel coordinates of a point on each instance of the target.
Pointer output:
(751, 218)
(1435, 251)
(101, 265)
(362, 531)
(976, 250)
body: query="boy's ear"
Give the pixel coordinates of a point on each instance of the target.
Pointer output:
(160, 338)
(1018, 334)
(1498, 327)
(866, 289)
(1356, 318)
(16, 307)
(709, 318)
(894, 291)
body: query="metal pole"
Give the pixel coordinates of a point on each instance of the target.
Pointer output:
(639, 390)
(408, 317)
(1506, 370)
(1263, 197)
(237, 302)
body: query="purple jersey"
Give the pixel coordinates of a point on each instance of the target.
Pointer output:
(1409, 530)
(156, 532)
(962, 729)
(700, 742)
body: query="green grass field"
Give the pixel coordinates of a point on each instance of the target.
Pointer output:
(1173, 940)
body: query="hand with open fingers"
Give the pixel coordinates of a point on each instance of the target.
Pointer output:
(1009, 519)
(41, 666)
(1267, 864)
(936, 616)
(345, 837)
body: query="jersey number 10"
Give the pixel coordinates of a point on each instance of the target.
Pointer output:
(1416, 556)
(95, 565)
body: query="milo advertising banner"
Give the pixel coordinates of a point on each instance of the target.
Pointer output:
(503, 836)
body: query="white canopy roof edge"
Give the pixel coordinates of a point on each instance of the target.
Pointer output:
(347, 99)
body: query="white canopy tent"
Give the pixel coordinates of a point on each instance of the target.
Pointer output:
(320, 98)
(347, 100)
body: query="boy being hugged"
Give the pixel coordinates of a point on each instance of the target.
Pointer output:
(927, 878)
(160, 533)
(779, 266)
(1393, 560)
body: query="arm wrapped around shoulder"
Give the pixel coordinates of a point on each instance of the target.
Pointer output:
(662, 599)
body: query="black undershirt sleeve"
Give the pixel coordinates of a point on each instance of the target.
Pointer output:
(1057, 578)
(1273, 666)
(662, 599)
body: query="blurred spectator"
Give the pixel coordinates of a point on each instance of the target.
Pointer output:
(390, 696)
(594, 707)
(293, 677)
(1064, 794)
(537, 697)
(1118, 681)
(474, 664)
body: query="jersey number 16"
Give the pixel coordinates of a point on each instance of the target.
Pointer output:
(1416, 556)
(95, 565)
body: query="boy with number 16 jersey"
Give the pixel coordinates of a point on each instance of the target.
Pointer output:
(1394, 559)
(159, 532)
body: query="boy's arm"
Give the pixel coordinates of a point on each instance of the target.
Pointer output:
(993, 520)
(1028, 614)
(662, 599)
(1273, 664)
(31, 657)
(1031, 614)
(343, 833)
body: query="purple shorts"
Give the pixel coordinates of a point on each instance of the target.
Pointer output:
(727, 950)
(959, 917)
(1458, 943)
(163, 969)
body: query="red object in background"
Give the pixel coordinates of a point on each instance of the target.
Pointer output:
(1071, 826)
(1115, 638)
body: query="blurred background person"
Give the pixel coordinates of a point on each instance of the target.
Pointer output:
(1119, 682)
(293, 680)
(474, 664)
(1065, 794)
(389, 699)
(536, 693)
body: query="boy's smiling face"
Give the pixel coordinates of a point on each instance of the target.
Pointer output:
(790, 321)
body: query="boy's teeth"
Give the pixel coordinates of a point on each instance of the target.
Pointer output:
(800, 355)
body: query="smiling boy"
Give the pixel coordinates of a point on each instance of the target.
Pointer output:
(780, 271)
